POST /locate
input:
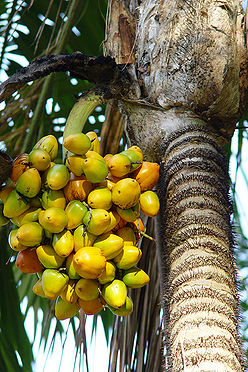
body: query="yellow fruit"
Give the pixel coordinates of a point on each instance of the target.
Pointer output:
(14, 205)
(135, 157)
(147, 175)
(108, 274)
(83, 238)
(114, 220)
(20, 165)
(94, 154)
(126, 193)
(48, 143)
(77, 143)
(30, 215)
(95, 170)
(38, 289)
(39, 159)
(53, 219)
(53, 198)
(115, 293)
(100, 198)
(135, 278)
(70, 269)
(125, 309)
(30, 234)
(3, 220)
(130, 214)
(5, 191)
(128, 258)
(75, 164)
(63, 243)
(48, 257)
(75, 212)
(149, 203)
(29, 183)
(89, 262)
(14, 242)
(87, 289)
(58, 177)
(69, 294)
(77, 188)
(127, 234)
(97, 221)
(65, 310)
(110, 244)
(119, 165)
(53, 283)
(95, 144)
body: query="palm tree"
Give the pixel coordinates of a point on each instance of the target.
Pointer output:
(184, 67)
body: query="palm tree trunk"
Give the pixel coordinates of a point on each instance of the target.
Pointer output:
(196, 250)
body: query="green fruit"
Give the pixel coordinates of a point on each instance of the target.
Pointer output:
(97, 221)
(30, 215)
(126, 193)
(110, 244)
(53, 198)
(128, 258)
(15, 205)
(135, 158)
(135, 278)
(53, 219)
(119, 165)
(3, 220)
(115, 293)
(48, 257)
(125, 309)
(75, 212)
(83, 238)
(58, 177)
(39, 159)
(65, 310)
(130, 214)
(30, 234)
(63, 243)
(95, 170)
(108, 274)
(48, 143)
(77, 143)
(29, 183)
(53, 283)
(70, 269)
(100, 198)
(87, 289)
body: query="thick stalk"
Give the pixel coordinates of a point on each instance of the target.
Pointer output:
(198, 278)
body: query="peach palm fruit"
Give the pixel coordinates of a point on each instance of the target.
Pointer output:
(53, 283)
(39, 159)
(77, 188)
(48, 143)
(75, 164)
(3, 220)
(58, 176)
(135, 277)
(70, 269)
(115, 293)
(95, 170)
(30, 215)
(95, 144)
(110, 244)
(89, 262)
(92, 307)
(28, 262)
(87, 289)
(20, 165)
(135, 156)
(125, 309)
(126, 193)
(53, 219)
(147, 175)
(149, 203)
(127, 234)
(77, 143)
(128, 258)
(5, 191)
(65, 310)
(29, 183)
(14, 242)
(30, 234)
(63, 243)
(119, 165)
(100, 198)
(53, 198)
(108, 273)
(130, 214)
(94, 154)
(97, 221)
(75, 212)
(14, 205)
(114, 220)
(83, 238)
(38, 289)
(48, 257)
(69, 294)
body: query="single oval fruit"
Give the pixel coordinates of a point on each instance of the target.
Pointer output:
(100, 198)
(110, 244)
(63, 243)
(114, 220)
(115, 293)
(77, 143)
(38, 289)
(127, 234)
(147, 175)
(69, 294)
(83, 238)
(89, 262)
(126, 193)
(53, 283)
(29, 183)
(39, 159)
(149, 203)
(14, 242)
(75, 212)
(125, 309)
(119, 165)
(95, 144)
(128, 258)
(92, 307)
(75, 164)
(30, 234)
(15, 205)
(48, 143)
(78, 188)
(58, 176)
(97, 221)
(20, 165)
(53, 219)
(95, 170)
(108, 273)
(48, 257)
(70, 269)
(65, 310)
(30, 215)
(53, 198)
(135, 277)
(87, 289)
(27, 261)
(135, 156)
(130, 214)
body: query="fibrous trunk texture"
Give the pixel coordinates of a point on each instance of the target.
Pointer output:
(198, 275)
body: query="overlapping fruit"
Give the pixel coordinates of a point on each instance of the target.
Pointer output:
(77, 224)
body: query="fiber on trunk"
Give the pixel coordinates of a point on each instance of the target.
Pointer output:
(200, 298)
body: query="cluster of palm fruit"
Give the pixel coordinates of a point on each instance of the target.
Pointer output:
(77, 224)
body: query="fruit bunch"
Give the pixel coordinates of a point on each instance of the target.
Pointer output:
(77, 224)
